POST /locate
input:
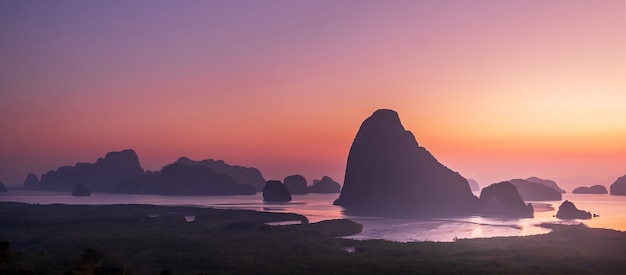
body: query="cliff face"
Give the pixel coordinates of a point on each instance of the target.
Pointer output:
(103, 175)
(387, 171)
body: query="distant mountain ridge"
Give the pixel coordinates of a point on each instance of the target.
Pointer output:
(550, 183)
(240, 174)
(532, 191)
(120, 172)
(101, 176)
(185, 180)
(596, 189)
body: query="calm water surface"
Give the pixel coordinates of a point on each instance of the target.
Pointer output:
(317, 207)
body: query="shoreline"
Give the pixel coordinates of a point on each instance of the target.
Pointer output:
(124, 239)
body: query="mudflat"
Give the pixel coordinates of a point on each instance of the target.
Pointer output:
(148, 239)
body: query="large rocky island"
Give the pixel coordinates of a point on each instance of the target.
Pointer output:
(387, 172)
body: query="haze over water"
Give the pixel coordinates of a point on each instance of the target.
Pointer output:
(318, 207)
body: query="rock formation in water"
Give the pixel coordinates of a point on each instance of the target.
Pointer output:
(296, 184)
(31, 182)
(619, 187)
(241, 175)
(596, 189)
(474, 186)
(3, 188)
(549, 183)
(502, 199)
(532, 191)
(187, 180)
(325, 185)
(81, 191)
(568, 211)
(276, 191)
(101, 176)
(387, 172)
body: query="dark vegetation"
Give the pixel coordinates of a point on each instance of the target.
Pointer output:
(146, 239)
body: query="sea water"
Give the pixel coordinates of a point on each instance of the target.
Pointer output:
(318, 207)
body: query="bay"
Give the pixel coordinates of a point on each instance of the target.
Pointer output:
(317, 207)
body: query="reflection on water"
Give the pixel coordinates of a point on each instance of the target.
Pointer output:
(448, 229)
(317, 207)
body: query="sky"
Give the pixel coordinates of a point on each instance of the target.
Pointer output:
(493, 89)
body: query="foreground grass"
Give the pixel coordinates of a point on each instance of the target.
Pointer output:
(146, 239)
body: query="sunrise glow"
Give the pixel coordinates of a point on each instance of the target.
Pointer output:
(494, 89)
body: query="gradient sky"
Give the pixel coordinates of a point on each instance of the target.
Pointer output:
(494, 89)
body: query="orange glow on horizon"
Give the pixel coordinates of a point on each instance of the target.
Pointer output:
(514, 86)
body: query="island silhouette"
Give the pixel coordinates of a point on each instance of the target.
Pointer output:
(387, 172)
(595, 189)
